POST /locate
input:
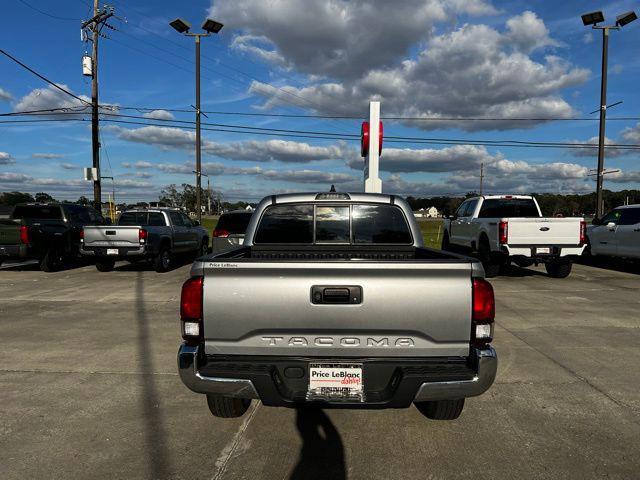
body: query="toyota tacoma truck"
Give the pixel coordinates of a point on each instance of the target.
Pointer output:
(144, 234)
(501, 229)
(333, 300)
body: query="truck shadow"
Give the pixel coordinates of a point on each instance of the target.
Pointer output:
(146, 266)
(515, 271)
(614, 264)
(156, 447)
(322, 452)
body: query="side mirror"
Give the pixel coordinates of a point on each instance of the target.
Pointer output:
(611, 225)
(195, 223)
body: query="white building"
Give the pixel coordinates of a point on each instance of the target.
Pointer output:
(431, 212)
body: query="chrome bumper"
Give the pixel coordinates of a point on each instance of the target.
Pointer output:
(190, 376)
(485, 364)
(131, 253)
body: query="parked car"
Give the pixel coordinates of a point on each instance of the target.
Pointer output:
(333, 301)
(145, 234)
(510, 228)
(617, 234)
(229, 231)
(46, 232)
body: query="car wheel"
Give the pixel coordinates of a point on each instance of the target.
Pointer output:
(105, 265)
(559, 268)
(441, 409)
(227, 407)
(204, 248)
(489, 263)
(52, 261)
(163, 261)
(446, 242)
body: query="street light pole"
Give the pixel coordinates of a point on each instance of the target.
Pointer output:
(209, 26)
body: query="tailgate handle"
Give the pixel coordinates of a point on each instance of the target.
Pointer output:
(110, 232)
(336, 294)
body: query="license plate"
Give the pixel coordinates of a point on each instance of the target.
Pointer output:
(543, 250)
(112, 251)
(335, 381)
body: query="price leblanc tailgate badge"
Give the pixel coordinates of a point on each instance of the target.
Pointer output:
(335, 381)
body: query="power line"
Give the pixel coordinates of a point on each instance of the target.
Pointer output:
(48, 14)
(42, 76)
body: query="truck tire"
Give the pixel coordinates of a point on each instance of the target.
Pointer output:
(162, 262)
(559, 268)
(441, 409)
(105, 264)
(489, 262)
(227, 407)
(52, 261)
(446, 242)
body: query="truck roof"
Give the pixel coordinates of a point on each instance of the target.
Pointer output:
(330, 197)
(621, 207)
(505, 197)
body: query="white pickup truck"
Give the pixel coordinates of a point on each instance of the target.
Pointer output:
(510, 228)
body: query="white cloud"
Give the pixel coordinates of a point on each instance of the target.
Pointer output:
(5, 95)
(251, 150)
(624, 177)
(527, 33)
(139, 164)
(48, 156)
(49, 98)
(471, 71)
(10, 177)
(69, 166)
(632, 134)
(593, 152)
(587, 38)
(159, 115)
(337, 38)
(6, 159)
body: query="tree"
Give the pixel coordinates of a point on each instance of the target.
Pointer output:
(42, 197)
(83, 200)
(171, 196)
(13, 198)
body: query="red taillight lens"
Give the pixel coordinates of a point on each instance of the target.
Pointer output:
(24, 234)
(583, 232)
(483, 312)
(191, 310)
(219, 232)
(503, 232)
(142, 234)
(81, 234)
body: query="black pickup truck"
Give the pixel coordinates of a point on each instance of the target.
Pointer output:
(47, 232)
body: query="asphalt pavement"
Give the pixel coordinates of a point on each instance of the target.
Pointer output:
(89, 389)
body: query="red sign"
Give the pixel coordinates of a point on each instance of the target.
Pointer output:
(364, 139)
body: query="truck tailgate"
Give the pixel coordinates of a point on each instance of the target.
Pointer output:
(9, 232)
(543, 231)
(111, 236)
(407, 308)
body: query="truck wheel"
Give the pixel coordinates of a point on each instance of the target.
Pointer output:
(51, 262)
(559, 268)
(441, 409)
(227, 407)
(105, 264)
(162, 262)
(489, 263)
(446, 243)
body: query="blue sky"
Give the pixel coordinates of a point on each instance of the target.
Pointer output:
(429, 59)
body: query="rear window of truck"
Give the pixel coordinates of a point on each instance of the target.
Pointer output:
(144, 219)
(333, 224)
(508, 207)
(44, 212)
(234, 223)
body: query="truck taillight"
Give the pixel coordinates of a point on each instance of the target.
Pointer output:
(503, 232)
(24, 234)
(191, 310)
(220, 232)
(583, 232)
(483, 312)
(82, 235)
(142, 235)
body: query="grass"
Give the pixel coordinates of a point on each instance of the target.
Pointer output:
(431, 229)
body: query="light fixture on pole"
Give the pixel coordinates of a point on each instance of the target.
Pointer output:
(593, 19)
(209, 26)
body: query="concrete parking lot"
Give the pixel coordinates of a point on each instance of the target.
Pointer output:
(88, 389)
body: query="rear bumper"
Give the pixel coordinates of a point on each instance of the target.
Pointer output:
(389, 382)
(531, 251)
(124, 252)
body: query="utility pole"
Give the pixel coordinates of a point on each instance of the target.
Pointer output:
(481, 176)
(95, 25)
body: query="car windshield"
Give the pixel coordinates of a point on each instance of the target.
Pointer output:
(234, 223)
(44, 212)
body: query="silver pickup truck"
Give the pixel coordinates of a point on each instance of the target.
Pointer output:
(333, 301)
(144, 234)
